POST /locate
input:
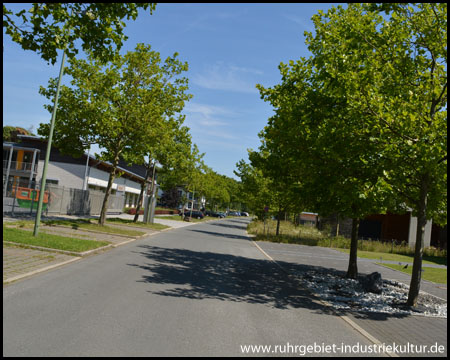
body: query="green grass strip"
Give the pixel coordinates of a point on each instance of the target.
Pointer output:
(50, 241)
(397, 257)
(86, 224)
(436, 275)
(154, 226)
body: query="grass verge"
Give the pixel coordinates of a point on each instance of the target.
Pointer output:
(88, 224)
(396, 257)
(436, 275)
(82, 224)
(154, 226)
(51, 241)
(307, 235)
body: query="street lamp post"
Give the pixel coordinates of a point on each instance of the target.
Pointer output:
(47, 154)
(49, 147)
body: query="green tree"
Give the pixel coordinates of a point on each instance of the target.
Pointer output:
(254, 188)
(276, 165)
(114, 106)
(10, 132)
(162, 141)
(317, 153)
(45, 27)
(184, 171)
(392, 69)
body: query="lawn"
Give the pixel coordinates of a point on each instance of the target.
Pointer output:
(397, 257)
(308, 235)
(51, 241)
(82, 224)
(87, 224)
(154, 226)
(437, 275)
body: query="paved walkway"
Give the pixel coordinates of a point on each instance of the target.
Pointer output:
(19, 262)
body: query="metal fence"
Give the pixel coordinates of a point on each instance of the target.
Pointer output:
(19, 198)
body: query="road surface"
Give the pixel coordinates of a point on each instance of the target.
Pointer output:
(201, 290)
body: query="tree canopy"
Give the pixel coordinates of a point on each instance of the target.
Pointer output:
(47, 27)
(121, 107)
(361, 125)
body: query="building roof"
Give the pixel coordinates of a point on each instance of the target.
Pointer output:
(136, 172)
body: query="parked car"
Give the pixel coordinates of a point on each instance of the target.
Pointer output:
(218, 214)
(234, 213)
(196, 214)
(245, 214)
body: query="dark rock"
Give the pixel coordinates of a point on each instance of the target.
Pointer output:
(372, 283)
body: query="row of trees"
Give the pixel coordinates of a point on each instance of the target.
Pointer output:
(219, 191)
(360, 127)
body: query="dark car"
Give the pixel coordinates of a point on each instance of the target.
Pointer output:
(234, 213)
(218, 214)
(196, 214)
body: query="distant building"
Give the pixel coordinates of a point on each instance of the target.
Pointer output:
(388, 227)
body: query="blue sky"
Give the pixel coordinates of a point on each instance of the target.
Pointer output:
(229, 48)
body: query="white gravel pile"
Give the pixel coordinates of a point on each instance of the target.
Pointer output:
(348, 294)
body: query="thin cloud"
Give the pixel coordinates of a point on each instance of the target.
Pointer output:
(207, 115)
(306, 24)
(227, 78)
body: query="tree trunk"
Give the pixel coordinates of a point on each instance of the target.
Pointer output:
(337, 226)
(352, 271)
(112, 176)
(141, 198)
(278, 222)
(141, 195)
(417, 264)
(150, 202)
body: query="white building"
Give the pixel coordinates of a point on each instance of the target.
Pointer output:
(23, 164)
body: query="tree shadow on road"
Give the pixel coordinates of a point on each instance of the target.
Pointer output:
(206, 275)
(230, 226)
(225, 235)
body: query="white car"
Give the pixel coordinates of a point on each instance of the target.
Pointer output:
(244, 214)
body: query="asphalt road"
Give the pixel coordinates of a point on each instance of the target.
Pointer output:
(202, 290)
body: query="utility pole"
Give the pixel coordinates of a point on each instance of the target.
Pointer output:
(47, 154)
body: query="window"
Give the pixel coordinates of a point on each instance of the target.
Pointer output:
(27, 157)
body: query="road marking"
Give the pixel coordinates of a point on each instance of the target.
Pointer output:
(327, 304)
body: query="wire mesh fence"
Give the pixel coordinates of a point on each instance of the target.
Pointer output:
(21, 198)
